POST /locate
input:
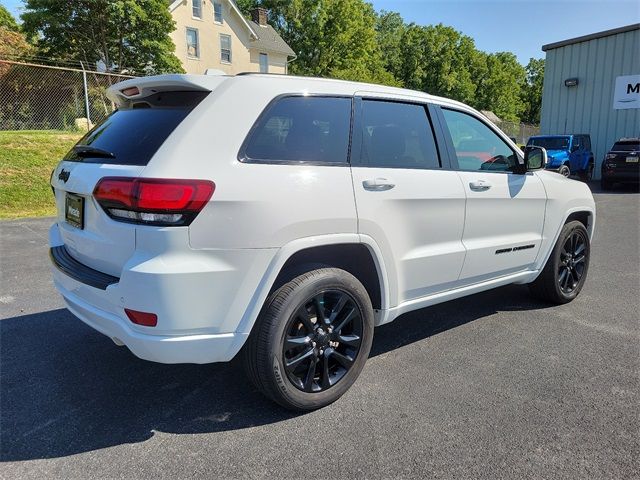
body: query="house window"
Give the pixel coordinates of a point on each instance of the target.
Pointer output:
(193, 46)
(225, 48)
(264, 63)
(197, 8)
(217, 12)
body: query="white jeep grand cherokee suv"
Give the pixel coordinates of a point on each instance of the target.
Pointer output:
(286, 217)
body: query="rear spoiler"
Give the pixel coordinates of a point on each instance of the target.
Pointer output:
(130, 90)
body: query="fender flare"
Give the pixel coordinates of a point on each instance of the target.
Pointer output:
(286, 251)
(542, 261)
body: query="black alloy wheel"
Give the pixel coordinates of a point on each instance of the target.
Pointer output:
(565, 272)
(322, 340)
(311, 339)
(572, 262)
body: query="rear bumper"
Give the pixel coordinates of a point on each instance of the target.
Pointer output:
(200, 298)
(201, 348)
(619, 175)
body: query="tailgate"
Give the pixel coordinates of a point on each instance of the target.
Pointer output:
(95, 240)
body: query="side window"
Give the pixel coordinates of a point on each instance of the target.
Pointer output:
(577, 143)
(193, 46)
(225, 48)
(477, 146)
(264, 63)
(587, 142)
(217, 12)
(397, 135)
(313, 129)
(196, 10)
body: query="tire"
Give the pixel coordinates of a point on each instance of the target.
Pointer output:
(587, 174)
(341, 342)
(565, 171)
(563, 277)
(606, 184)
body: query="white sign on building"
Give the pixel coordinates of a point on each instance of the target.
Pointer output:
(627, 92)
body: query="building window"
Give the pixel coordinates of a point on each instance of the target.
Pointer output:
(264, 63)
(217, 12)
(197, 8)
(193, 46)
(225, 48)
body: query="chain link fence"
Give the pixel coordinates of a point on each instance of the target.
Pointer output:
(520, 131)
(41, 97)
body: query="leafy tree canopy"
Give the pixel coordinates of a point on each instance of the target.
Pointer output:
(532, 91)
(131, 35)
(7, 21)
(348, 39)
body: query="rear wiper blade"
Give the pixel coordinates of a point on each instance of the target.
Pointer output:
(89, 151)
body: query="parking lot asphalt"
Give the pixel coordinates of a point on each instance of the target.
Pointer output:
(496, 385)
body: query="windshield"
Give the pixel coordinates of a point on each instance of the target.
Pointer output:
(131, 136)
(625, 146)
(550, 143)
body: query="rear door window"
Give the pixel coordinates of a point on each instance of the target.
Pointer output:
(301, 129)
(132, 135)
(397, 135)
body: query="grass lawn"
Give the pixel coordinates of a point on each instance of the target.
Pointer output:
(26, 161)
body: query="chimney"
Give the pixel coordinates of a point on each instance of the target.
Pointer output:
(259, 15)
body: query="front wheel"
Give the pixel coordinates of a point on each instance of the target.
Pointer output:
(311, 340)
(566, 269)
(564, 170)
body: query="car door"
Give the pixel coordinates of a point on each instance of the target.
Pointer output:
(411, 206)
(504, 209)
(576, 157)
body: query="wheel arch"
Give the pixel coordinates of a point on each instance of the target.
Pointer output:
(353, 253)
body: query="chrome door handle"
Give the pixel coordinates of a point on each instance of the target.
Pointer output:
(479, 186)
(378, 185)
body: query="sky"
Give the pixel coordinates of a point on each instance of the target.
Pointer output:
(518, 26)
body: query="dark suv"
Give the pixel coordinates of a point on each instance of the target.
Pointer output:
(621, 163)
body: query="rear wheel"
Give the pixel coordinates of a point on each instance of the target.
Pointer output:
(564, 170)
(312, 339)
(566, 270)
(587, 174)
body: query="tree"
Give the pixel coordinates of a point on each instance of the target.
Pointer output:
(500, 89)
(390, 28)
(331, 38)
(532, 92)
(439, 60)
(13, 44)
(7, 21)
(130, 35)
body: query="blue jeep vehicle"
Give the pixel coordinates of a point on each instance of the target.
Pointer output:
(567, 154)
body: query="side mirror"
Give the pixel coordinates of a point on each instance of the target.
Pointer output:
(535, 158)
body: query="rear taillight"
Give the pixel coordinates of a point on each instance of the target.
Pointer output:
(153, 201)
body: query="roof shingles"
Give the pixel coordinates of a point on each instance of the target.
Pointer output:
(269, 40)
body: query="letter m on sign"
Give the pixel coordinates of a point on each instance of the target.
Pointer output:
(627, 92)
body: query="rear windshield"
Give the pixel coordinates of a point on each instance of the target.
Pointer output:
(550, 143)
(132, 135)
(625, 146)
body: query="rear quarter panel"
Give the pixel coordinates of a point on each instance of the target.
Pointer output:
(254, 205)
